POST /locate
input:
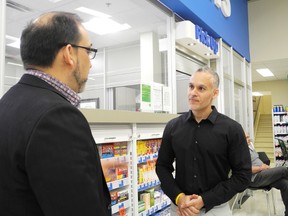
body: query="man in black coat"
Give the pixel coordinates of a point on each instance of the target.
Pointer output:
(49, 163)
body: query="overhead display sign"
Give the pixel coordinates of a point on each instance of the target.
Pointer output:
(196, 39)
(206, 39)
(224, 19)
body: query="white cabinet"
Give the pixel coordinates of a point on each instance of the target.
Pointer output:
(131, 141)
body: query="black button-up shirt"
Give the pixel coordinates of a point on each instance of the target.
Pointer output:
(204, 153)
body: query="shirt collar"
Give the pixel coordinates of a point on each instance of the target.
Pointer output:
(65, 90)
(212, 116)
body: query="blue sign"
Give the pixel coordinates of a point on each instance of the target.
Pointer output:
(226, 19)
(206, 39)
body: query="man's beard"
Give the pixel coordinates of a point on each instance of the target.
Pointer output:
(80, 82)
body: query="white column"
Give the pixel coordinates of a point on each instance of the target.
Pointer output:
(2, 44)
(172, 63)
(150, 58)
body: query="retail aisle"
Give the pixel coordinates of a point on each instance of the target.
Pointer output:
(256, 205)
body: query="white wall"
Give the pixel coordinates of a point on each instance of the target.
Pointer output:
(268, 29)
(278, 89)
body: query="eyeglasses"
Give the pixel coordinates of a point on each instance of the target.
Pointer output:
(90, 51)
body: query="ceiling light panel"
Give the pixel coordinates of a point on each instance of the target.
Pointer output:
(93, 12)
(265, 72)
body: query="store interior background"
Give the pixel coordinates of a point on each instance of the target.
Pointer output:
(268, 46)
(267, 37)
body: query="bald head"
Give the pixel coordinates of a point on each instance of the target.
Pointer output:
(43, 37)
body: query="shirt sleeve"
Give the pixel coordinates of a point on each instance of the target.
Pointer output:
(164, 165)
(240, 174)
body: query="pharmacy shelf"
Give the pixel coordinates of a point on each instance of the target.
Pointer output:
(118, 159)
(110, 126)
(148, 185)
(118, 184)
(155, 208)
(115, 208)
(145, 158)
(281, 123)
(280, 129)
(279, 113)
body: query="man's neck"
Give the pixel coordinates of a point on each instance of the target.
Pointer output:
(201, 115)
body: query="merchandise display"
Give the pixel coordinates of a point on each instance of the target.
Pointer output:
(133, 150)
(280, 130)
(151, 199)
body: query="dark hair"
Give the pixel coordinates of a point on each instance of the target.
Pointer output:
(41, 39)
(209, 70)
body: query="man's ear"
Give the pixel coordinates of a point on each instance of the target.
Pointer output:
(215, 93)
(68, 55)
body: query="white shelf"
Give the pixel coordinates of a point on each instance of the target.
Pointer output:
(118, 184)
(148, 185)
(145, 158)
(155, 208)
(115, 208)
(120, 159)
(279, 113)
(275, 123)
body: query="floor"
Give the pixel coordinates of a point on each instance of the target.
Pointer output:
(256, 205)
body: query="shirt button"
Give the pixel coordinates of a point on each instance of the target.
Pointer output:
(198, 125)
(196, 141)
(195, 176)
(194, 158)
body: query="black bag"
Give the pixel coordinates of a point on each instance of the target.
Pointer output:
(264, 158)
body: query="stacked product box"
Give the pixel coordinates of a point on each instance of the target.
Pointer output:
(145, 147)
(112, 151)
(146, 171)
(119, 196)
(150, 198)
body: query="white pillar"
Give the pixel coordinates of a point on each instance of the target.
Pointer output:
(2, 44)
(150, 58)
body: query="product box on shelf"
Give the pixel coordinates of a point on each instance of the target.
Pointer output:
(121, 172)
(115, 149)
(114, 197)
(123, 195)
(107, 150)
(141, 206)
(145, 197)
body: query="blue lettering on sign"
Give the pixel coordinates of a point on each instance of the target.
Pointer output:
(206, 39)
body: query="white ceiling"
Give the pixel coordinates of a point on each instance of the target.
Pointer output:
(140, 15)
(143, 17)
(267, 35)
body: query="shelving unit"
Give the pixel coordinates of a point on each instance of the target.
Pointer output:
(280, 130)
(116, 127)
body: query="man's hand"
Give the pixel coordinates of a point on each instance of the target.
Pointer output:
(264, 167)
(189, 205)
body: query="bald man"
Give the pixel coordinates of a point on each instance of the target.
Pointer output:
(49, 163)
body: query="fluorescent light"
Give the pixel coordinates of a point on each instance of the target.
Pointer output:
(93, 12)
(54, 1)
(191, 44)
(11, 38)
(15, 44)
(101, 23)
(265, 72)
(257, 94)
(12, 63)
(104, 26)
